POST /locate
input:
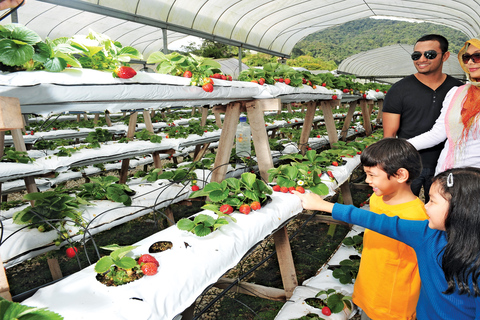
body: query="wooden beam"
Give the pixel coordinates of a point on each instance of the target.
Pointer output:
(348, 120)
(54, 268)
(285, 261)
(380, 112)
(225, 144)
(366, 117)
(307, 126)
(329, 121)
(130, 134)
(252, 289)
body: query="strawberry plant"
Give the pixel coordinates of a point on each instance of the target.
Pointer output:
(356, 241)
(117, 268)
(335, 301)
(172, 175)
(97, 136)
(234, 192)
(49, 205)
(16, 156)
(106, 188)
(148, 136)
(347, 271)
(203, 224)
(15, 310)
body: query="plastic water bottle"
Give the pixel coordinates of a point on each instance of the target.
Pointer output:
(242, 138)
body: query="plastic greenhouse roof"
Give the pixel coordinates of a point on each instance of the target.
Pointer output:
(270, 26)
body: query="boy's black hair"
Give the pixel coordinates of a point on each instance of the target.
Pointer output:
(461, 258)
(436, 37)
(391, 154)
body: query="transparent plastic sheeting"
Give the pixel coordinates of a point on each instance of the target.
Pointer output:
(264, 25)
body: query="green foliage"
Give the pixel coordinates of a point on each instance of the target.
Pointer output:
(97, 136)
(347, 272)
(117, 257)
(202, 224)
(106, 188)
(235, 192)
(336, 301)
(339, 42)
(149, 136)
(14, 310)
(172, 175)
(98, 51)
(16, 156)
(50, 205)
(356, 241)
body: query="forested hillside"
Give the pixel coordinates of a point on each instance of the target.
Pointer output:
(338, 43)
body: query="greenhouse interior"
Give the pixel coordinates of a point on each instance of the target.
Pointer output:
(143, 178)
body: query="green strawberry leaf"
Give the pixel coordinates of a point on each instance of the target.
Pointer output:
(185, 224)
(103, 264)
(13, 53)
(320, 189)
(125, 263)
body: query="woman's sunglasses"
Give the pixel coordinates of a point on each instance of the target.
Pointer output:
(430, 55)
(475, 57)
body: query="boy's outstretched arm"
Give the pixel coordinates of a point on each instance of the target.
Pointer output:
(312, 201)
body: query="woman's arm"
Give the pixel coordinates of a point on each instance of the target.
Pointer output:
(438, 132)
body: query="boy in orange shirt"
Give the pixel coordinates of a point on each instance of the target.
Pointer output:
(388, 283)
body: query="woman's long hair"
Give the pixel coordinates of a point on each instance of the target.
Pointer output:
(461, 263)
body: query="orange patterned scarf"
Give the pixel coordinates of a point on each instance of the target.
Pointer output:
(470, 109)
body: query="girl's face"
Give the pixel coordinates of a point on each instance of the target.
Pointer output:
(437, 208)
(473, 68)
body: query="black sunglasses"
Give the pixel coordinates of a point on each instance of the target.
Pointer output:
(430, 55)
(475, 57)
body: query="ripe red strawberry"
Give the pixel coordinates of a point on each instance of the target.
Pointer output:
(287, 81)
(290, 189)
(276, 188)
(255, 81)
(300, 189)
(32, 132)
(195, 188)
(125, 72)
(335, 163)
(229, 78)
(346, 91)
(324, 84)
(261, 81)
(284, 189)
(223, 77)
(226, 209)
(304, 81)
(330, 174)
(364, 96)
(377, 90)
(71, 252)
(334, 97)
(326, 311)
(255, 205)
(144, 258)
(208, 87)
(244, 208)
(187, 74)
(280, 79)
(319, 136)
(314, 87)
(149, 269)
(216, 76)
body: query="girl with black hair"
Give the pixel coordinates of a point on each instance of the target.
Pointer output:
(447, 244)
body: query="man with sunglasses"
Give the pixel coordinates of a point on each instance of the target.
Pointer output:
(413, 104)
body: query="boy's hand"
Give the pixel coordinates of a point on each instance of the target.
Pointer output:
(312, 201)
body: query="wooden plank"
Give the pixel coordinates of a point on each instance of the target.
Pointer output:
(201, 152)
(346, 194)
(268, 104)
(289, 107)
(307, 126)
(19, 143)
(203, 120)
(132, 123)
(252, 289)
(96, 118)
(10, 114)
(225, 144)
(329, 122)
(380, 112)
(148, 121)
(285, 261)
(2, 143)
(348, 120)
(259, 136)
(366, 117)
(108, 120)
(54, 268)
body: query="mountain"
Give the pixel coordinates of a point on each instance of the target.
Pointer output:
(340, 42)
